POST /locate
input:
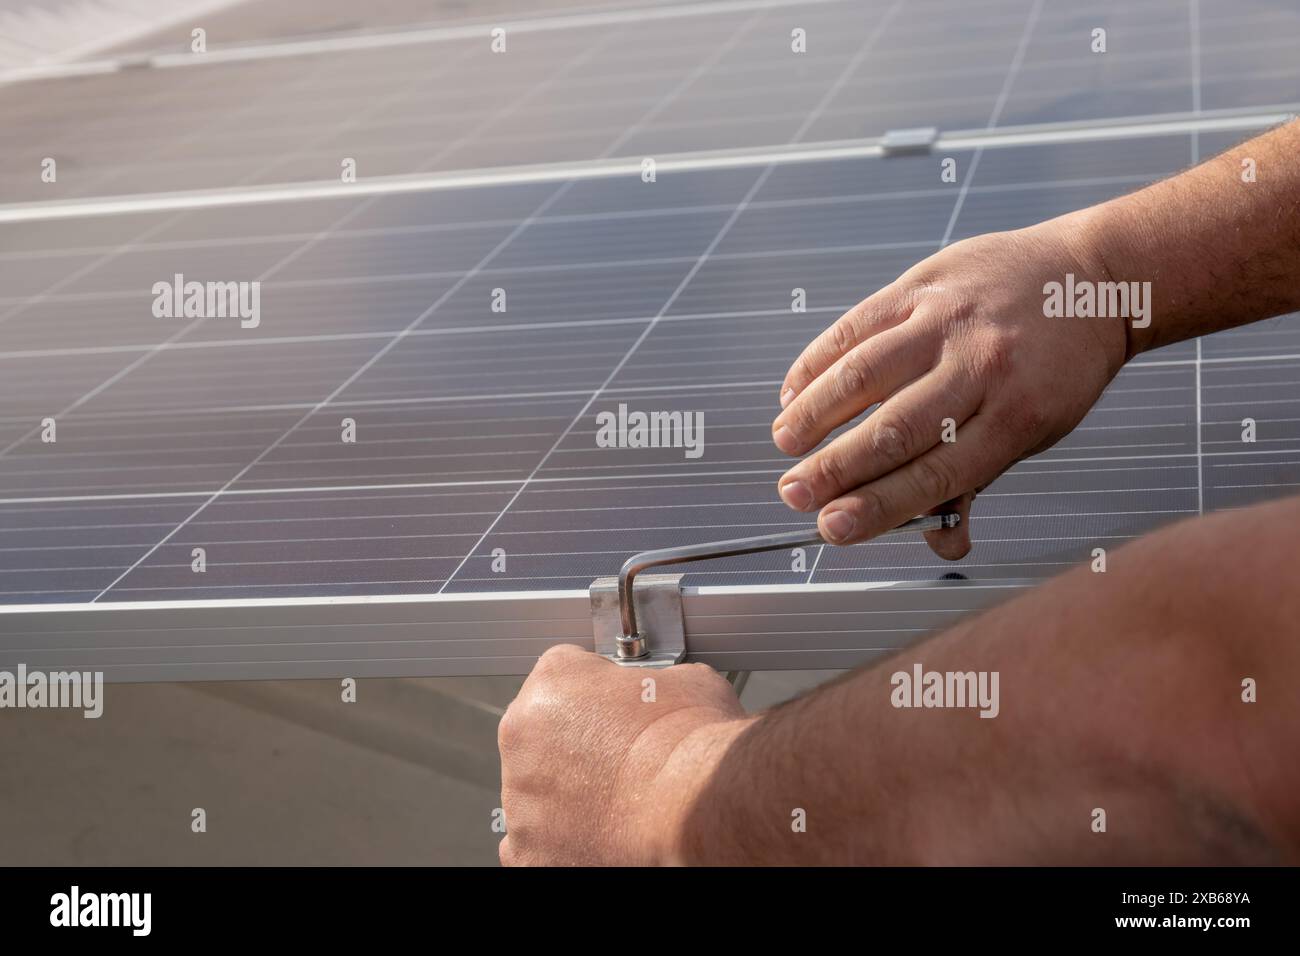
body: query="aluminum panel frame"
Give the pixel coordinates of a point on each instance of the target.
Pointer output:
(793, 627)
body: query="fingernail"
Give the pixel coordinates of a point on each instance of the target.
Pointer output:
(796, 495)
(786, 441)
(786, 397)
(838, 525)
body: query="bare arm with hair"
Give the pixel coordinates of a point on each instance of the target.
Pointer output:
(1119, 691)
(963, 336)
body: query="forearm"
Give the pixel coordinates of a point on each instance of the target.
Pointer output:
(1218, 250)
(1118, 690)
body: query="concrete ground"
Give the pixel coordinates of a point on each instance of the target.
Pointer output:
(286, 772)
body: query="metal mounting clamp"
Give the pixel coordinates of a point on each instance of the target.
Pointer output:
(659, 609)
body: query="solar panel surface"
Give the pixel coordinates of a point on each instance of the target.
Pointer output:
(562, 95)
(475, 466)
(470, 420)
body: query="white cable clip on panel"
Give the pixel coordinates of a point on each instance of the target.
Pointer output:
(637, 621)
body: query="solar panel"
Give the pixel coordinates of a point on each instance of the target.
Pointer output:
(448, 102)
(395, 468)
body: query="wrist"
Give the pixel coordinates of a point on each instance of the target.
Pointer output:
(1087, 235)
(689, 775)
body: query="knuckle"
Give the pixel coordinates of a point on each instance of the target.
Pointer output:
(557, 651)
(871, 508)
(893, 438)
(934, 479)
(545, 663)
(852, 377)
(800, 374)
(800, 418)
(554, 662)
(508, 729)
(953, 304)
(843, 336)
(699, 676)
(997, 356)
(829, 475)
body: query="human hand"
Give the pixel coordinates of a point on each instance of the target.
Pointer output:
(600, 768)
(959, 341)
